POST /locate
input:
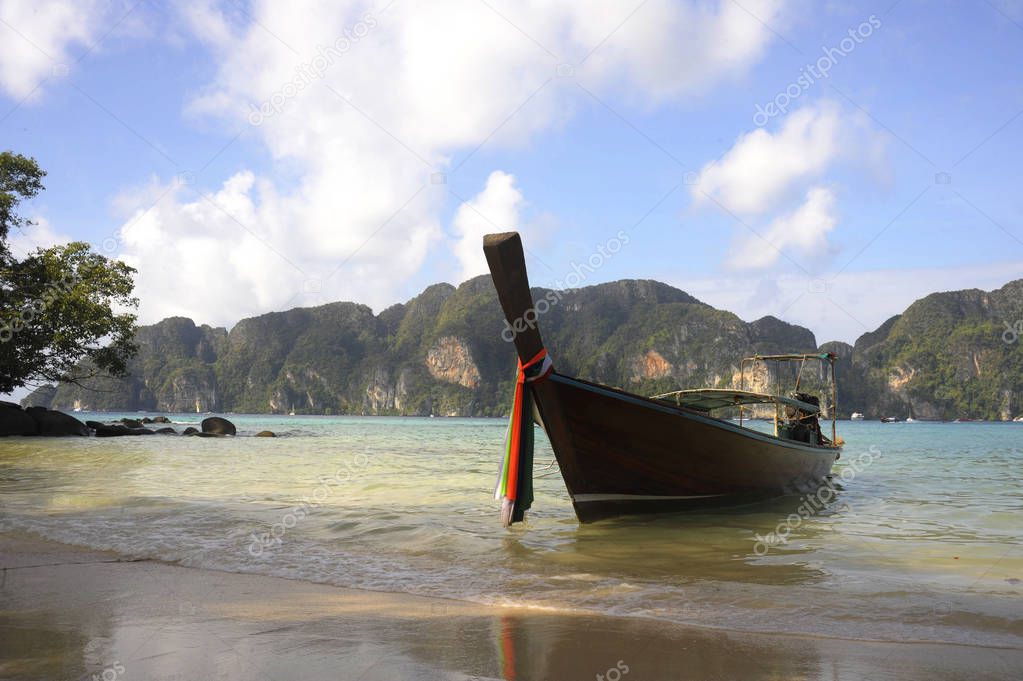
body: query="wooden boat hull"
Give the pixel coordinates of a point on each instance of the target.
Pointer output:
(623, 454)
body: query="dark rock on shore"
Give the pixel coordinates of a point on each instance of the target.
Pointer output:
(42, 421)
(106, 430)
(266, 433)
(38, 421)
(215, 425)
(155, 419)
(14, 420)
(117, 430)
(55, 423)
(190, 431)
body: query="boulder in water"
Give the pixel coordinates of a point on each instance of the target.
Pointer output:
(167, 430)
(131, 423)
(161, 419)
(15, 421)
(109, 429)
(190, 431)
(215, 425)
(56, 423)
(266, 433)
(117, 430)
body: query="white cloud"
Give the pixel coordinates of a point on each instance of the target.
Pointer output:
(37, 37)
(41, 234)
(666, 48)
(495, 209)
(362, 109)
(786, 170)
(761, 168)
(238, 252)
(205, 20)
(806, 229)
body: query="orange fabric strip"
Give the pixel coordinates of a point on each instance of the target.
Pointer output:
(512, 486)
(516, 438)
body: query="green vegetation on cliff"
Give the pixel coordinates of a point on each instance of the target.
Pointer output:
(442, 353)
(945, 357)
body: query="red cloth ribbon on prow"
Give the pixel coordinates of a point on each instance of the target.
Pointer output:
(514, 490)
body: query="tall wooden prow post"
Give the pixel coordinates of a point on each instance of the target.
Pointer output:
(508, 270)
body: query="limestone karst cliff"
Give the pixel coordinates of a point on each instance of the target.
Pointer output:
(443, 353)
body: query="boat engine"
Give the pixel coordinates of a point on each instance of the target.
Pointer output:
(800, 425)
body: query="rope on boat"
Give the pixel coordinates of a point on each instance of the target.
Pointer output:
(548, 467)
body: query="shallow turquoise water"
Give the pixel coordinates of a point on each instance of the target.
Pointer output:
(921, 541)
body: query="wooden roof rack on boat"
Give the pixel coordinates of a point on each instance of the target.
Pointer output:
(709, 399)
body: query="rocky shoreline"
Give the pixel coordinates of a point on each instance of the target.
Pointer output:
(40, 421)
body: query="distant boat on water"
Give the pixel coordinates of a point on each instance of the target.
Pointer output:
(911, 420)
(889, 419)
(856, 416)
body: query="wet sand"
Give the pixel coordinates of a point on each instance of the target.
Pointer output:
(71, 613)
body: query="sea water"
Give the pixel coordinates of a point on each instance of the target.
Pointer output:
(918, 537)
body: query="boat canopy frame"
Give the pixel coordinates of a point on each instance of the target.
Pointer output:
(710, 399)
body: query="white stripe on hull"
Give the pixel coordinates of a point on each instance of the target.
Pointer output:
(584, 498)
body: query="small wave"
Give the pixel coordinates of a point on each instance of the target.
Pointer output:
(578, 577)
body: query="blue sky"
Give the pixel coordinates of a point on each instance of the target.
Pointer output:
(835, 214)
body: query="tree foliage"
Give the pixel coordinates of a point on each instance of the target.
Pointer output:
(65, 312)
(20, 178)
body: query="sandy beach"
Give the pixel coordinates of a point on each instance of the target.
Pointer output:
(72, 613)
(516, 341)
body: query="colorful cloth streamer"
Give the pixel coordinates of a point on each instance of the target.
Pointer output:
(515, 479)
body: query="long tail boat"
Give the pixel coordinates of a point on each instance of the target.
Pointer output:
(621, 453)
